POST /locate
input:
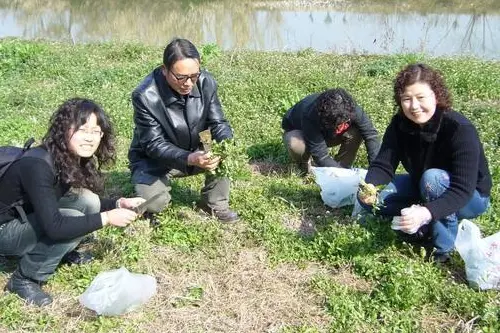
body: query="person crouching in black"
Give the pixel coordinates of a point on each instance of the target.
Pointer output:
(60, 201)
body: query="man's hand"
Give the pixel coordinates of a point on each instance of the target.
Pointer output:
(412, 218)
(203, 160)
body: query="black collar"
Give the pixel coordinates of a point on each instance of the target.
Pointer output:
(168, 95)
(428, 132)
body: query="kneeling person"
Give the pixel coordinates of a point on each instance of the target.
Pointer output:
(320, 121)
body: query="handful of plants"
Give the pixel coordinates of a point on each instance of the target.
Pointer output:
(367, 192)
(234, 160)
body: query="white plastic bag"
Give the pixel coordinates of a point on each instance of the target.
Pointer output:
(118, 291)
(481, 256)
(338, 185)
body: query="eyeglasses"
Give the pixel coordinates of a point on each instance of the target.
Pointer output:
(183, 78)
(89, 131)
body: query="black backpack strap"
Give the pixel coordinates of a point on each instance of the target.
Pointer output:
(40, 153)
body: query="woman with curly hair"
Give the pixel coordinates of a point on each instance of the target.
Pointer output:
(60, 206)
(448, 177)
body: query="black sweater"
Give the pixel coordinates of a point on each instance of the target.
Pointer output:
(303, 116)
(448, 141)
(33, 179)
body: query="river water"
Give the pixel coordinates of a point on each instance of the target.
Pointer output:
(328, 26)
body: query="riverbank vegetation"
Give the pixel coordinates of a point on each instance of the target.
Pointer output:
(291, 264)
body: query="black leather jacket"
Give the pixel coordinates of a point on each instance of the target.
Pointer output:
(167, 125)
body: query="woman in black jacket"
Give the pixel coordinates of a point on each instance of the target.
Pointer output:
(448, 177)
(60, 204)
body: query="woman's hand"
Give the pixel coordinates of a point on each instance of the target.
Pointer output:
(412, 218)
(119, 217)
(203, 160)
(367, 193)
(129, 203)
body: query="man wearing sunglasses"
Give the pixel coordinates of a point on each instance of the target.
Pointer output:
(320, 121)
(172, 105)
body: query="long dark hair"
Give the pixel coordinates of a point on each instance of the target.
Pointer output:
(179, 49)
(71, 169)
(422, 73)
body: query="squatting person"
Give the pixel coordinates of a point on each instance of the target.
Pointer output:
(172, 105)
(60, 204)
(320, 121)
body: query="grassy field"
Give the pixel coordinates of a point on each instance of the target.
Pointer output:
(291, 264)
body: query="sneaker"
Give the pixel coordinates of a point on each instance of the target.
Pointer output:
(223, 215)
(77, 258)
(27, 289)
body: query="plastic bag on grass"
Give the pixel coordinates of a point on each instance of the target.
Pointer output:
(118, 291)
(481, 256)
(338, 185)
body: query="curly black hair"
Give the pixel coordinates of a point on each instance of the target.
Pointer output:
(422, 73)
(71, 169)
(334, 107)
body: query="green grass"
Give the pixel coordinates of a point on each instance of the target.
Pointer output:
(404, 293)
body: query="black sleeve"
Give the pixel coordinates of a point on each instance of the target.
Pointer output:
(382, 169)
(315, 143)
(465, 147)
(216, 121)
(107, 204)
(368, 133)
(153, 139)
(38, 182)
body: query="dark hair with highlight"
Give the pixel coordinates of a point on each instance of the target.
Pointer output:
(179, 49)
(334, 107)
(71, 169)
(421, 73)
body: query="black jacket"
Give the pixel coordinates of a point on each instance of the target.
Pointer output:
(167, 125)
(34, 180)
(302, 116)
(449, 142)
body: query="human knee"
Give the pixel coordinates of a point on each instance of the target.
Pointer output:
(159, 204)
(295, 143)
(90, 201)
(433, 183)
(82, 200)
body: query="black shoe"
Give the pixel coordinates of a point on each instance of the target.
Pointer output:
(153, 220)
(77, 258)
(27, 289)
(441, 258)
(223, 215)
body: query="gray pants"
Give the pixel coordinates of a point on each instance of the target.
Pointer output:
(349, 143)
(214, 195)
(40, 255)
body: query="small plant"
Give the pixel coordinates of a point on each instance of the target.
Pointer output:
(370, 191)
(192, 297)
(233, 159)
